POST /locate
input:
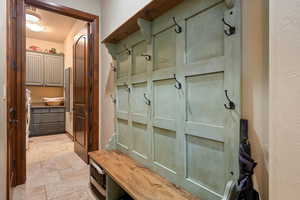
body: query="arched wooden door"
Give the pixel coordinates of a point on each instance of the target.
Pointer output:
(81, 93)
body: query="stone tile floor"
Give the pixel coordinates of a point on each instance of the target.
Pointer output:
(54, 171)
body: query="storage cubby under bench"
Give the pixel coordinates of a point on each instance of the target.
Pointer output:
(123, 178)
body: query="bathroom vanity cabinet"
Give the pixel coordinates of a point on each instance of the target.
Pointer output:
(47, 120)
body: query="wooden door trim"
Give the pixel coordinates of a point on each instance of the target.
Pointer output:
(17, 54)
(60, 9)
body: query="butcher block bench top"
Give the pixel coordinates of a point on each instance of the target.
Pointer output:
(139, 182)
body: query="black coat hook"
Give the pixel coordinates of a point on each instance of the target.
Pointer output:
(128, 51)
(231, 29)
(113, 68)
(231, 105)
(178, 85)
(113, 99)
(178, 29)
(147, 101)
(147, 57)
(128, 88)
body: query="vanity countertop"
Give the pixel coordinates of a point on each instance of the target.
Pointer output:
(41, 105)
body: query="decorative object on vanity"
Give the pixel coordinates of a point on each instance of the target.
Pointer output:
(35, 48)
(57, 101)
(52, 51)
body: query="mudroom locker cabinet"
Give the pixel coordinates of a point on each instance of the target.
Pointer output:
(178, 93)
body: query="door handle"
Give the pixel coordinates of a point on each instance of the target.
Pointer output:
(13, 121)
(13, 116)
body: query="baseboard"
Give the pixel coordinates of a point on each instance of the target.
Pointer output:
(70, 135)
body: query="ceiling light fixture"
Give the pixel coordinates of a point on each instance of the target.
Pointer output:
(35, 27)
(32, 17)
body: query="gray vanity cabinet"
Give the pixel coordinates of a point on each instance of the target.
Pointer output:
(44, 69)
(47, 120)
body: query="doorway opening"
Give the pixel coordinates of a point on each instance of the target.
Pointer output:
(53, 69)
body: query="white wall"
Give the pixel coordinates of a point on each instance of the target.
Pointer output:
(89, 6)
(284, 99)
(2, 100)
(116, 12)
(256, 86)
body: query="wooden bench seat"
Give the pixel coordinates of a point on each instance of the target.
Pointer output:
(139, 182)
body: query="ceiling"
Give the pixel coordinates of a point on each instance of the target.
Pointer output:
(56, 26)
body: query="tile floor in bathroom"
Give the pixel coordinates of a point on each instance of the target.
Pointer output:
(54, 171)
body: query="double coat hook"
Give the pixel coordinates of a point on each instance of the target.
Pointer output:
(113, 68)
(178, 29)
(113, 99)
(128, 51)
(147, 57)
(178, 85)
(231, 29)
(231, 105)
(147, 101)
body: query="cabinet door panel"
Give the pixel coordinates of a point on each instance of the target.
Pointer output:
(165, 149)
(165, 49)
(140, 140)
(54, 70)
(205, 36)
(138, 99)
(123, 133)
(211, 172)
(205, 131)
(123, 65)
(139, 63)
(205, 99)
(122, 99)
(164, 99)
(34, 68)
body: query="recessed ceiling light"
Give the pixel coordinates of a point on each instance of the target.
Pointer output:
(35, 27)
(32, 17)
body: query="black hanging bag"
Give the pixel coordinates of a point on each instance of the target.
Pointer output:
(245, 187)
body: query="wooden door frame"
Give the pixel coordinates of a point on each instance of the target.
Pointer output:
(16, 54)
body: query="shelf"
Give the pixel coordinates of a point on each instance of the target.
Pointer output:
(151, 11)
(139, 182)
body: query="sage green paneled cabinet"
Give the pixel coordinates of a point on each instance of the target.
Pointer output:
(44, 69)
(54, 70)
(170, 96)
(34, 68)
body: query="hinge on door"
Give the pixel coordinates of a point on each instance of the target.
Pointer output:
(91, 36)
(14, 167)
(14, 13)
(14, 65)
